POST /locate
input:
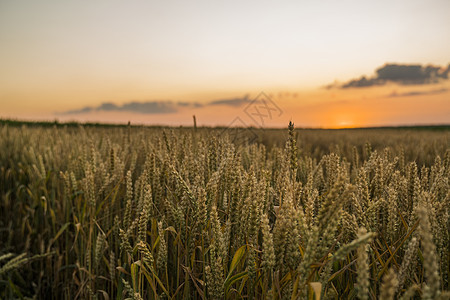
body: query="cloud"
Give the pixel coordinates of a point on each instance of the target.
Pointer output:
(149, 107)
(83, 110)
(362, 82)
(231, 102)
(156, 107)
(418, 93)
(400, 74)
(189, 104)
(108, 106)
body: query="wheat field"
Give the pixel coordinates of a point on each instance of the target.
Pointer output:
(190, 213)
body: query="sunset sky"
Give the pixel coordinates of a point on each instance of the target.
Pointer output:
(160, 62)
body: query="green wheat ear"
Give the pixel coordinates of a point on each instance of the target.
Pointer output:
(18, 261)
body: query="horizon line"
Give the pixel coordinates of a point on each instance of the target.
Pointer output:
(46, 123)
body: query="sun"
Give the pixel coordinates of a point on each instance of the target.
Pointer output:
(345, 124)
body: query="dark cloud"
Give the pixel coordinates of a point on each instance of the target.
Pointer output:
(400, 74)
(78, 111)
(418, 93)
(189, 104)
(412, 74)
(108, 107)
(156, 107)
(231, 102)
(149, 107)
(362, 82)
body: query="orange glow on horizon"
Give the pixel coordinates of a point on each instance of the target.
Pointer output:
(308, 109)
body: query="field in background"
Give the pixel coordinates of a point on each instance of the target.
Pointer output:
(107, 212)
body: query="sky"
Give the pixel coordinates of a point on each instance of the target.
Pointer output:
(251, 63)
